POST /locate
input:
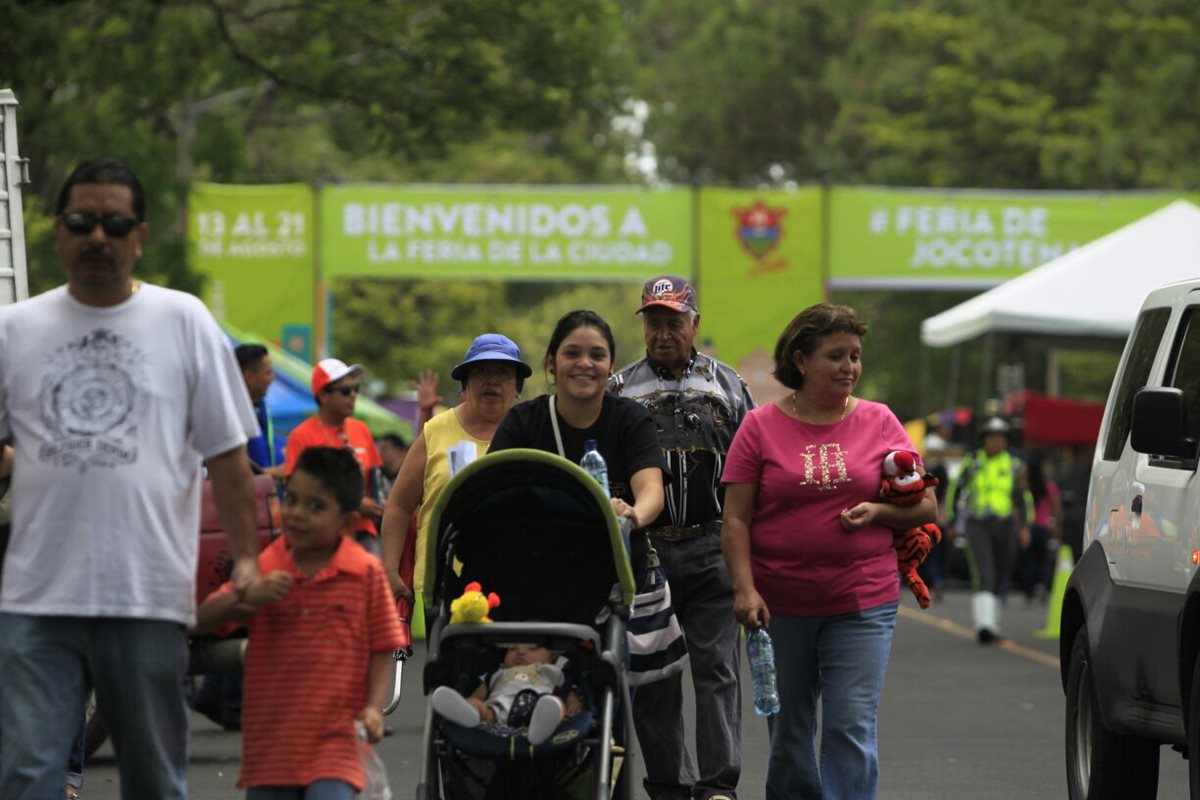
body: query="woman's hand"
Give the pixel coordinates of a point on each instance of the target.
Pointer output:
(370, 507)
(623, 509)
(1024, 537)
(426, 386)
(860, 516)
(750, 610)
(400, 589)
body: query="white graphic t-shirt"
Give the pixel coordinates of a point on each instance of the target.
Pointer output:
(111, 411)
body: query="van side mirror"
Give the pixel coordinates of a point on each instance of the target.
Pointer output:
(1160, 424)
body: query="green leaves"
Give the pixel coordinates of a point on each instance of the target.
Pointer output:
(245, 91)
(961, 93)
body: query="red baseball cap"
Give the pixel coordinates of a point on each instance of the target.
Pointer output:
(668, 291)
(329, 370)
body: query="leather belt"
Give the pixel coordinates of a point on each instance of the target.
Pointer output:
(678, 533)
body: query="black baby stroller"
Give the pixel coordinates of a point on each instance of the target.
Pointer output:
(538, 531)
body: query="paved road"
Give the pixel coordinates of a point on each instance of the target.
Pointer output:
(959, 721)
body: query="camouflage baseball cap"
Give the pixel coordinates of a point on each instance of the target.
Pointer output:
(668, 291)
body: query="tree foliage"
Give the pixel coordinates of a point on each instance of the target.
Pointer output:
(1037, 94)
(242, 90)
(398, 328)
(1030, 94)
(1025, 95)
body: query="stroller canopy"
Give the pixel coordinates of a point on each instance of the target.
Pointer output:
(532, 527)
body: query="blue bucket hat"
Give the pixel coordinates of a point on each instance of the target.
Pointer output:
(492, 347)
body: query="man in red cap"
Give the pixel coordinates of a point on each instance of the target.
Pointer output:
(698, 403)
(335, 388)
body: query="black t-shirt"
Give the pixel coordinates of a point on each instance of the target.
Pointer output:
(625, 435)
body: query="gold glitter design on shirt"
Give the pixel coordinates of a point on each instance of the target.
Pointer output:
(824, 466)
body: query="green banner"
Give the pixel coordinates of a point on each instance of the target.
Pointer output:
(760, 265)
(506, 233)
(255, 244)
(913, 238)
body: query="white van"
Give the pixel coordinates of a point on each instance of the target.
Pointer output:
(1130, 627)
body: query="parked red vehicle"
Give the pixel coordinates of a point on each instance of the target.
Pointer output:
(215, 563)
(210, 654)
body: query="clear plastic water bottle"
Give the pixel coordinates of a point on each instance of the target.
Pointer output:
(593, 463)
(761, 655)
(375, 773)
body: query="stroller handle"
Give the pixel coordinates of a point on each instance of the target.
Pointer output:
(400, 654)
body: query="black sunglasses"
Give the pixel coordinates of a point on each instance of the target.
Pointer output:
(345, 391)
(81, 223)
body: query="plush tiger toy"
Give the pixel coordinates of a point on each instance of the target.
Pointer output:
(903, 485)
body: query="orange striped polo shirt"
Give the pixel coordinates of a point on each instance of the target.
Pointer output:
(306, 668)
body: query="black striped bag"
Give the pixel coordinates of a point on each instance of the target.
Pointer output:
(657, 648)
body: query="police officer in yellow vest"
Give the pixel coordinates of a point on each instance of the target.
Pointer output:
(990, 500)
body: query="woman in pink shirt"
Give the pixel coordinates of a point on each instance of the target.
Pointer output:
(809, 548)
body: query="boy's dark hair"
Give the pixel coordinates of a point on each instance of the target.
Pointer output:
(104, 172)
(248, 355)
(395, 440)
(337, 470)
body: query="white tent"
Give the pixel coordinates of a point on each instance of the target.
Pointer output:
(1095, 290)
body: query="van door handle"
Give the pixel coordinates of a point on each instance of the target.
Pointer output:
(1136, 505)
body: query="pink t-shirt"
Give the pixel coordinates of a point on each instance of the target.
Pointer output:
(1043, 510)
(804, 563)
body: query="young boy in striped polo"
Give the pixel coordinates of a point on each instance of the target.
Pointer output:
(322, 625)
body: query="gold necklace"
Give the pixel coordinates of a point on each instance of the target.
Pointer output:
(796, 411)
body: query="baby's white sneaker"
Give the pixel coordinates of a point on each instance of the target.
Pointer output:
(547, 713)
(452, 706)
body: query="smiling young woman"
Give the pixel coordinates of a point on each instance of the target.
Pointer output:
(579, 360)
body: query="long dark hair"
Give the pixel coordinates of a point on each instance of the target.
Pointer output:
(1035, 473)
(579, 318)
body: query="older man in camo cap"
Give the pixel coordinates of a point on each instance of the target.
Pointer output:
(698, 403)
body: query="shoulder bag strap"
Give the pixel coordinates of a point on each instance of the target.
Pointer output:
(557, 433)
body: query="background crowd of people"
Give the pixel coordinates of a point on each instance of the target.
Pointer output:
(762, 516)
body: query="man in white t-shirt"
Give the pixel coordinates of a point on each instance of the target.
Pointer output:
(113, 393)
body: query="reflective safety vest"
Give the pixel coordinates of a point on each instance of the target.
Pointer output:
(991, 486)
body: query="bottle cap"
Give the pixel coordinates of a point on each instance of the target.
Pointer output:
(590, 444)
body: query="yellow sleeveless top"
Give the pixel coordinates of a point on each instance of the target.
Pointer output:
(441, 433)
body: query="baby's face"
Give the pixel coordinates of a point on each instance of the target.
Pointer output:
(521, 654)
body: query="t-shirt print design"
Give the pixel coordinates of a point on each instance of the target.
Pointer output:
(824, 466)
(89, 401)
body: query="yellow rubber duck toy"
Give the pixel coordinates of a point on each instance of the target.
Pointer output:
(473, 605)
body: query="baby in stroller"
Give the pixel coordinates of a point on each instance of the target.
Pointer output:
(534, 529)
(527, 691)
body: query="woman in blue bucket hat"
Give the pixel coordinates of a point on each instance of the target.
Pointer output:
(492, 374)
